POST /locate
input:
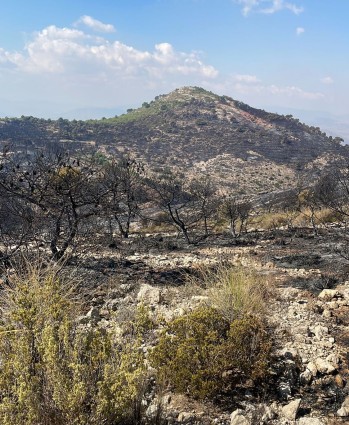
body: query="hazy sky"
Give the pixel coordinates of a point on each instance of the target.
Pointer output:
(60, 56)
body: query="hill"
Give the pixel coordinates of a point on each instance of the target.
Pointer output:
(196, 131)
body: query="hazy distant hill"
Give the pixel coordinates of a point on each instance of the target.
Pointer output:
(333, 125)
(197, 131)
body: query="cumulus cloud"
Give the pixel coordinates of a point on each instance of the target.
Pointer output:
(327, 80)
(300, 30)
(95, 24)
(5, 57)
(75, 53)
(268, 6)
(78, 67)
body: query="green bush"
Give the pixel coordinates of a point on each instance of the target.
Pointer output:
(198, 349)
(53, 371)
(212, 349)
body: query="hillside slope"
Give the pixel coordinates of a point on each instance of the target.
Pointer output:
(195, 130)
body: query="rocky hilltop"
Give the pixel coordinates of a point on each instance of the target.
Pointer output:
(197, 131)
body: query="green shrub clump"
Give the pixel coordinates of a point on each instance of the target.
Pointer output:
(203, 354)
(214, 348)
(54, 371)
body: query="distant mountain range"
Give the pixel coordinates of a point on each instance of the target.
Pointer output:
(196, 131)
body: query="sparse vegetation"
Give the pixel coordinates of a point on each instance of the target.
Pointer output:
(236, 292)
(228, 337)
(198, 348)
(55, 371)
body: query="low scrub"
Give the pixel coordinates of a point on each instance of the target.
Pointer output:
(326, 215)
(275, 220)
(212, 349)
(298, 218)
(53, 371)
(203, 355)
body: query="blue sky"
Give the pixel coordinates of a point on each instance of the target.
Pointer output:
(99, 57)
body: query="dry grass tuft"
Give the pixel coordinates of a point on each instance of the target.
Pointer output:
(236, 292)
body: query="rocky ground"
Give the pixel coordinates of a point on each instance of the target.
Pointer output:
(308, 312)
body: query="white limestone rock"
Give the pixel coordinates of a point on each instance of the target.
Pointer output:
(238, 418)
(148, 294)
(289, 411)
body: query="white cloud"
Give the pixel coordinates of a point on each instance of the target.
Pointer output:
(50, 49)
(251, 88)
(278, 5)
(293, 91)
(74, 53)
(268, 6)
(284, 91)
(95, 24)
(70, 66)
(6, 58)
(327, 80)
(300, 30)
(248, 5)
(245, 78)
